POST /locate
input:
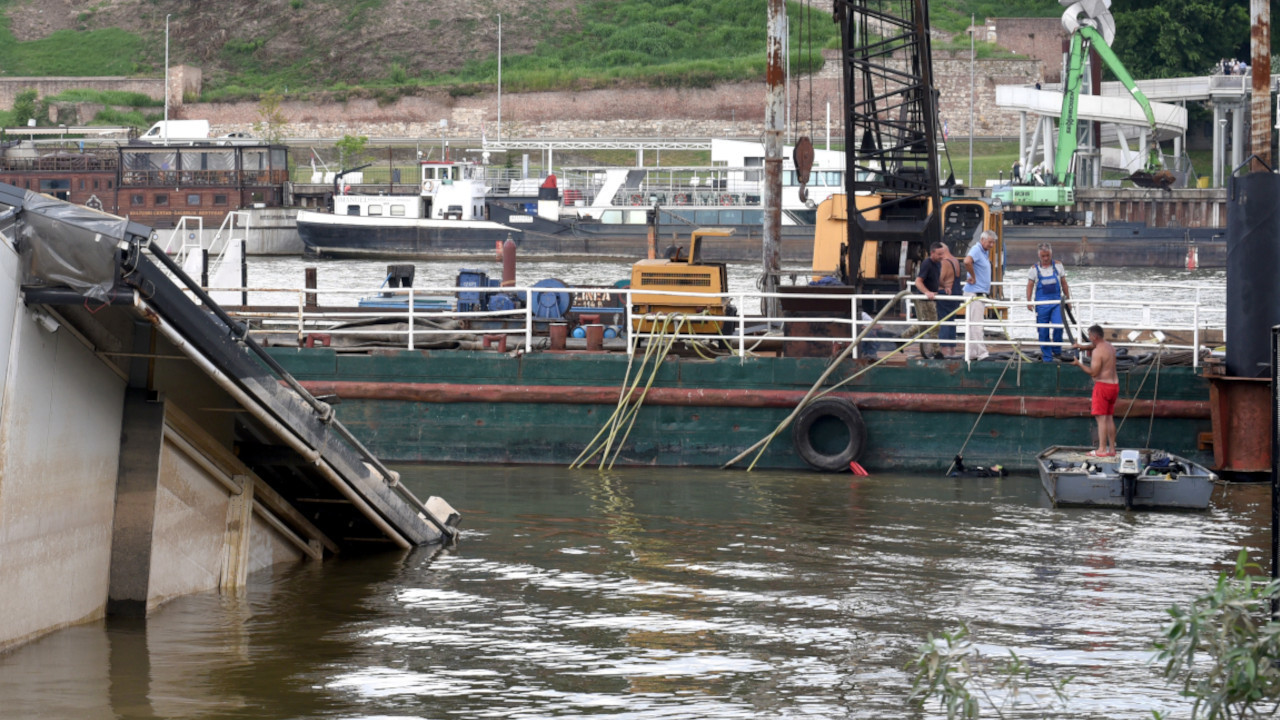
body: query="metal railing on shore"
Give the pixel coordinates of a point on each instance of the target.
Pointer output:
(416, 318)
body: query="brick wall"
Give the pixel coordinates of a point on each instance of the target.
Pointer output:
(1039, 38)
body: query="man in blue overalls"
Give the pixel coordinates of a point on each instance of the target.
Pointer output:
(1048, 281)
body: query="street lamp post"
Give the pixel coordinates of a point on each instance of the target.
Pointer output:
(499, 78)
(165, 132)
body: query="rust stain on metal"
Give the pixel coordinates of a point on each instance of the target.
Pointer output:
(774, 74)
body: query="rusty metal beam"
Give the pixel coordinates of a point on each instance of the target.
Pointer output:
(1260, 100)
(775, 106)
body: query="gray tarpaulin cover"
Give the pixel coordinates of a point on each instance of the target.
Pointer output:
(65, 245)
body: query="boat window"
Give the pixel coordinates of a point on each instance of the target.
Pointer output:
(706, 217)
(753, 217)
(81, 183)
(397, 211)
(161, 199)
(137, 199)
(353, 209)
(833, 178)
(802, 217)
(193, 199)
(219, 199)
(681, 215)
(635, 217)
(788, 177)
(730, 217)
(612, 217)
(108, 184)
(375, 210)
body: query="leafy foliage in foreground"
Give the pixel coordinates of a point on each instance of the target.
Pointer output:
(1224, 650)
(1224, 647)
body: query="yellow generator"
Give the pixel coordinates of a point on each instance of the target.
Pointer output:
(685, 273)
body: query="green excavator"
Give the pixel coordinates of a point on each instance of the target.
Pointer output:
(1095, 30)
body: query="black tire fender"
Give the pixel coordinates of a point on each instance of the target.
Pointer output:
(829, 407)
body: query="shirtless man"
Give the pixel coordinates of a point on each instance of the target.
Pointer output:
(1106, 389)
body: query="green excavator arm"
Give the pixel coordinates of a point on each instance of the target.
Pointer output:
(1081, 40)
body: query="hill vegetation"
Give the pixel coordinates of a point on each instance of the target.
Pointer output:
(389, 48)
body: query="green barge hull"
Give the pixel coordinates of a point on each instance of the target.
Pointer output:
(543, 408)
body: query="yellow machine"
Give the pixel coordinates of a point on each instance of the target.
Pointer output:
(683, 273)
(963, 219)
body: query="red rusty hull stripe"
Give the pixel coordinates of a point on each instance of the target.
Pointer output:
(1045, 407)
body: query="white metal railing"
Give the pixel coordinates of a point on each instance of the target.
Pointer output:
(740, 333)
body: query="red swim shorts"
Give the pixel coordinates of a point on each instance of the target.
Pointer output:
(1105, 395)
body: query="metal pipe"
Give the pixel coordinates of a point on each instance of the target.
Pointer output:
(240, 330)
(1037, 407)
(775, 104)
(279, 429)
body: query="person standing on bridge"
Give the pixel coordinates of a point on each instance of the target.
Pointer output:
(978, 288)
(1047, 285)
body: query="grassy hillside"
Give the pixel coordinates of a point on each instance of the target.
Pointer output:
(394, 47)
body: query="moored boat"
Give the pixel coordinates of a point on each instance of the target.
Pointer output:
(1147, 478)
(447, 217)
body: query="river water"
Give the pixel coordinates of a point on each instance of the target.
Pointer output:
(665, 593)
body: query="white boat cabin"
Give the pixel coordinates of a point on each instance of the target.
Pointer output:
(448, 191)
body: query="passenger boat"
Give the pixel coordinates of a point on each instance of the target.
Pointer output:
(1151, 479)
(155, 185)
(446, 217)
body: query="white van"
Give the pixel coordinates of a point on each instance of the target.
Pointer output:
(177, 131)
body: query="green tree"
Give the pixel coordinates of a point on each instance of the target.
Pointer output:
(349, 149)
(1224, 647)
(24, 107)
(272, 122)
(1172, 38)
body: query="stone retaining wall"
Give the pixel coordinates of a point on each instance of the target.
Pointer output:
(728, 110)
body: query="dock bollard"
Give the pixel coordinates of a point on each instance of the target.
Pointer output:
(595, 337)
(559, 334)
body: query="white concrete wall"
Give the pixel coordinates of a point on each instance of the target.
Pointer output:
(59, 446)
(60, 432)
(191, 521)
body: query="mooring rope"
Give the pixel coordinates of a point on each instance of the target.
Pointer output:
(629, 403)
(984, 410)
(814, 394)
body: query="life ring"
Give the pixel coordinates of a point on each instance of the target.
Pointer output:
(726, 199)
(637, 199)
(833, 418)
(428, 186)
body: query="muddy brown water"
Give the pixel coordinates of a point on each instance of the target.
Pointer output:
(667, 593)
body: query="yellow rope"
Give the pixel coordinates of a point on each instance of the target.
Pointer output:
(628, 405)
(835, 363)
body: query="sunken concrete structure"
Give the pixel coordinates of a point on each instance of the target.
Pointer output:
(148, 447)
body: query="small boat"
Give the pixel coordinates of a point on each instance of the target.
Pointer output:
(446, 218)
(1130, 479)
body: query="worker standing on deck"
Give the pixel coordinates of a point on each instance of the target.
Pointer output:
(950, 283)
(978, 265)
(927, 280)
(1106, 389)
(1047, 285)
